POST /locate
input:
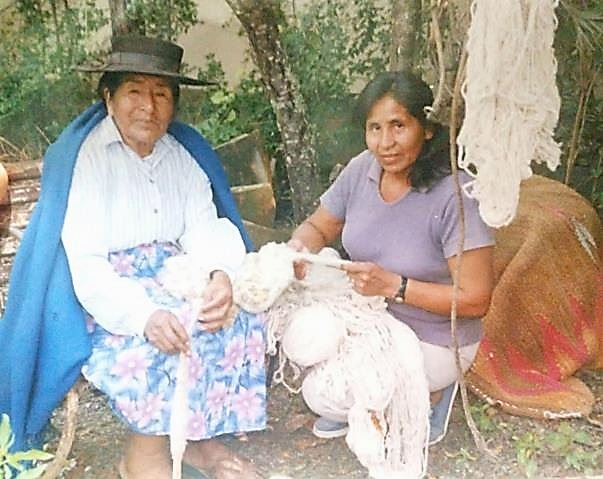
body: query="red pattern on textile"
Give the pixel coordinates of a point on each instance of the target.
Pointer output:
(546, 318)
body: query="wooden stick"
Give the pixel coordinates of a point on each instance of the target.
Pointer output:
(321, 260)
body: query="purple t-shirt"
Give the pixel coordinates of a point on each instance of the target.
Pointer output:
(411, 236)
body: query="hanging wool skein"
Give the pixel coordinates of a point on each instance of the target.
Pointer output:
(511, 101)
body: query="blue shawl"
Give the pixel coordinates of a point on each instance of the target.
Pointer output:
(43, 338)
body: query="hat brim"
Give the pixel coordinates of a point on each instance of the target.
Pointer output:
(146, 71)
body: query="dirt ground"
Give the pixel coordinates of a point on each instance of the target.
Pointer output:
(522, 447)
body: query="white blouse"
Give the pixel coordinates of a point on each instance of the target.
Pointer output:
(119, 200)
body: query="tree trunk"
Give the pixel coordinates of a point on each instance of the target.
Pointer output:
(406, 25)
(119, 20)
(261, 22)
(448, 30)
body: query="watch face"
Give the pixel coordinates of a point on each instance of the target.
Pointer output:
(398, 299)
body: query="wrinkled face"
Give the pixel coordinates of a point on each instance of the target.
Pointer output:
(142, 108)
(394, 136)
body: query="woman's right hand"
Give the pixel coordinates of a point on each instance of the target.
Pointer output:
(164, 331)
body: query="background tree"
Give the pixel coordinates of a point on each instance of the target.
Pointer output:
(330, 49)
(405, 34)
(120, 23)
(262, 21)
(153, 17)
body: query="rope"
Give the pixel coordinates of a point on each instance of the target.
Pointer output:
(511, 101)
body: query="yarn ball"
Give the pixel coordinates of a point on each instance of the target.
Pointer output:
(313, 335)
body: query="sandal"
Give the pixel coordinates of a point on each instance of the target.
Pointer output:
(189, 472)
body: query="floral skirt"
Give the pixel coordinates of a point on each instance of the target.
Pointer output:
(226, 370)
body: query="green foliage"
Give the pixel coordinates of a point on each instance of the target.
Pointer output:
(162, 19)
(329, 58)
(579, 51)
(578, 448)
(333, 47)
(39, 49)
(12, 464)
(480, 413)
(222, 113)
(526, 447)
(574, 446)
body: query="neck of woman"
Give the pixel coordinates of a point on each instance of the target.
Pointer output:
(394, 186)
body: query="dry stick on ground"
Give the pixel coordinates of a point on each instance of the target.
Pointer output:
(477, 437)
(68, 431)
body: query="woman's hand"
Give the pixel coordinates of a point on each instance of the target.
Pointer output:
(164, 331)
(217, 302)
(299, 267)
(369, 279)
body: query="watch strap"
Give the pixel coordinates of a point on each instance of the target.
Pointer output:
(400, 296)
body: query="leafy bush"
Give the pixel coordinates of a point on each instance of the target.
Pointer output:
(12, 464)
(161, 19)
(333, 48)
(36, 72)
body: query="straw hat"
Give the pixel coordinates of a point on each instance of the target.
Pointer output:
(140, 54)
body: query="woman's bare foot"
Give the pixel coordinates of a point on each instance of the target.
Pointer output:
(146, 457)
(215, 458)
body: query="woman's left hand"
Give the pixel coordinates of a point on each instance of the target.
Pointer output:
(218, 302)
(369, 279)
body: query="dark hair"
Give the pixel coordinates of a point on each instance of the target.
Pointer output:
(433, 163)
(113, 80)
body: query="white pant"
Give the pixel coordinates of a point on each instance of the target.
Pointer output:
(440, 368)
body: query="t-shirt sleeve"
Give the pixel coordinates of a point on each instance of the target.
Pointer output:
(477, 233)
(337, 197)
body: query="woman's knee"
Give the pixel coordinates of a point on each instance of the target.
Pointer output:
(440, 364)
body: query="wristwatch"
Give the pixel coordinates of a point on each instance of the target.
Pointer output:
(400, 295)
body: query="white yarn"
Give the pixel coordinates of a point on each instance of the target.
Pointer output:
(378, 363)
(251, 290)
(183, 278)
(300, 342)
(511, 101)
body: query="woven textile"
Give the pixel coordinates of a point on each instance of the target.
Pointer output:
(546, 317)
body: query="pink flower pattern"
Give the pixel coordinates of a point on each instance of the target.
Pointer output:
(233, 354)
(127, 408)
(247, 404)
(227, 391)
(196, 424)
(255, 348)
(195, 368)
(130, 364)
(150, 408)
(123, 264)
(217, 398)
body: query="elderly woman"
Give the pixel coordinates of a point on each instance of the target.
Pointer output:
(145, 188)
(395, 208)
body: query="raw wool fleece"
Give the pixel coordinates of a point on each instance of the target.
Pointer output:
(373, 358)
(511, 101)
